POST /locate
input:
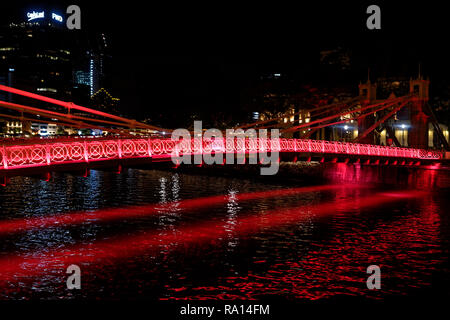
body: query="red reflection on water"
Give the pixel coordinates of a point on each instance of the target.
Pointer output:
(13, 268)
(103, 215)
(424, 178)
(406, 249)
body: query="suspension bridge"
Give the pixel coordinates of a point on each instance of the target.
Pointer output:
(22, 156)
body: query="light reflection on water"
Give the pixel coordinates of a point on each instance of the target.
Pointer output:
(313, 258)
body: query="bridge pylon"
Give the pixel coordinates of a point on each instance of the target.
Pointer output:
(367, 95)
(418, 135)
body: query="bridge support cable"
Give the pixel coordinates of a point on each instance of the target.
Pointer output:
(78, 126)
(437, 127)
(361, 116)
(284, 115)
(53, 115)
(329, 123)
(71, 106)
(383, 105)
(391, 134)
(306, 125)
(382, 120)
(69, 118)
(327, 120)
(337, 109)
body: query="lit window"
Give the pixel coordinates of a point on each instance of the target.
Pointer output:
(47, 90)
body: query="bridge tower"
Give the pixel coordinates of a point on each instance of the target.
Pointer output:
(418, 135)
(367, 95)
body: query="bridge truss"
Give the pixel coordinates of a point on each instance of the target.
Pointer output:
(53, 153)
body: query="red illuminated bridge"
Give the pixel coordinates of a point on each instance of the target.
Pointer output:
(55, 152)
(28, 155)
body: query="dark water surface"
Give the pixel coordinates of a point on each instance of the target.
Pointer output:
(307, 244)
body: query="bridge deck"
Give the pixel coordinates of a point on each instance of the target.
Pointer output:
(25, 153)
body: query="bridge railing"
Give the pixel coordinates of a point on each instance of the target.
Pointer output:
(41, 154)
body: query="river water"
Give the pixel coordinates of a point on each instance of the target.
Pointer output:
(162, 235)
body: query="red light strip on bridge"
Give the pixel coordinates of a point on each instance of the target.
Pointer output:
(63, 152)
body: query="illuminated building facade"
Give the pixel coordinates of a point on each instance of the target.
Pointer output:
(36, 53)
(44, 129)
(39, 54)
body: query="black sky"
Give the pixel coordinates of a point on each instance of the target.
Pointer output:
(169, 55)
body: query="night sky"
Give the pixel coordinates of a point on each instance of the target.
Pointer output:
(169, 56)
